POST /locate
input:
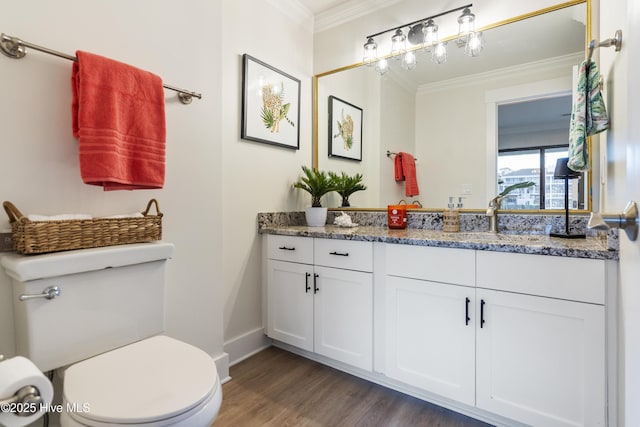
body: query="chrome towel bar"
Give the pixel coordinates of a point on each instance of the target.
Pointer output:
(14, 47)
(615, 41)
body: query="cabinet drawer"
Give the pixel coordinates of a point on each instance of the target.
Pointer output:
(576, 279)
(445, 265)
(290, 248)
(346, 254)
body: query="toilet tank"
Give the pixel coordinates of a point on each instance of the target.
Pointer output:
(109, 297)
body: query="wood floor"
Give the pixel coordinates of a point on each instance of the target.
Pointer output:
(278, 388)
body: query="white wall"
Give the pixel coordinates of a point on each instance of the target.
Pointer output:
(398, 109)
(216, 183)
(41, 173)
(257, 177)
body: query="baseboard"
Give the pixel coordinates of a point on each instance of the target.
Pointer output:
(246, 345)
(222, 366)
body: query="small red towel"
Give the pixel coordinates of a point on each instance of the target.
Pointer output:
(405, 170)
(118, 116)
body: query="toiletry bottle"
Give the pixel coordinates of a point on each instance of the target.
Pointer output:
(451, 218)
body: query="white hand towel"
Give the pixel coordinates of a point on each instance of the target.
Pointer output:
(131, 215)
(61, 217)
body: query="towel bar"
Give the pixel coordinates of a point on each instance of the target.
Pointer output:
(393, 153)
(615, 41)
(14, 47)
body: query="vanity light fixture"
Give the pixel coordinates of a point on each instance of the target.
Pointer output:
(370, 52)
(409, 60)
(466, 26)
(475, 44)
(423, 33)
(439, 54)
(398, 44)
(430, 34)
(382, 66)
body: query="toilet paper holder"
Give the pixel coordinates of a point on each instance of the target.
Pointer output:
(26, 401)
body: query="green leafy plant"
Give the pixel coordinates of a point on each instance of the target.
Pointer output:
(315, 182)
(498, 199)
(347, 185)
(512, 187)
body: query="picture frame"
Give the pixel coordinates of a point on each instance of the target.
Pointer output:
(270, 104)
(345, 129)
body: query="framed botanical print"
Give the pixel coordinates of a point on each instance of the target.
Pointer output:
(345, 129)
(270, 104)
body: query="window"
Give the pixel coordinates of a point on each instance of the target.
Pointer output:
(537, 165)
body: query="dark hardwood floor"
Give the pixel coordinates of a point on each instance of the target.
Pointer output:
(278, 388)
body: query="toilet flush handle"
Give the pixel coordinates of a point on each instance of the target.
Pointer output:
(49, 293)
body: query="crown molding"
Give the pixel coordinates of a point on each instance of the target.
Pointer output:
(295, 11)
(348, 11)
(521, 69)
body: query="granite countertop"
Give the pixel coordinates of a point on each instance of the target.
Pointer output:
(537, 244)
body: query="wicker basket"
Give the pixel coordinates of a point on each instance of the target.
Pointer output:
(36, 237)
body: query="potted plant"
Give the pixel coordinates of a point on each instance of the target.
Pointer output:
(347, 185)
(317, 183)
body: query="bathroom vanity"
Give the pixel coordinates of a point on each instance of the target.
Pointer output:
(500, 327)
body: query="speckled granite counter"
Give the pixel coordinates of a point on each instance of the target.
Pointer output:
(594, 247)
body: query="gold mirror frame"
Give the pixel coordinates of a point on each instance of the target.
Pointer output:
(588, 37)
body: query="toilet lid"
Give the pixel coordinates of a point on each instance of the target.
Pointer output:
(147, 381)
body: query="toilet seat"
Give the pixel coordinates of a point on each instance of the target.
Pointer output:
(154, 382)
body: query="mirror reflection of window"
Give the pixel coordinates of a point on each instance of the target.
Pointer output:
(536, 165)
(532, 135)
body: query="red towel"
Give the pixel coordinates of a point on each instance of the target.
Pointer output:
(118, 116)
(405, 170)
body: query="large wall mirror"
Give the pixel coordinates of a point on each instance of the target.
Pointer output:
(471, 123)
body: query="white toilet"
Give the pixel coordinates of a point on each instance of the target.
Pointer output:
(104, 317)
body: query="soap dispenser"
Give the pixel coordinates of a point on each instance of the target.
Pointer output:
(451, 218)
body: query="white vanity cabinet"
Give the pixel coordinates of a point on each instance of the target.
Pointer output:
(430, 300)
(506, 337)
(320, 296)
(540, 347)
(521, 336)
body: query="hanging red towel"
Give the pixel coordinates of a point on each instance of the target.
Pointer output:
(118, 116)
(405, 170)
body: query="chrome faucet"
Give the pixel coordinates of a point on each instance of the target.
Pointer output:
(492, 213)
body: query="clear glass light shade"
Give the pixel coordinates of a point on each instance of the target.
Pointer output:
(398, 44)
(475, 44)
(382, 66)
(409, 60)
(430, 31)
(439, 53)
(370, 52)
(466, 25)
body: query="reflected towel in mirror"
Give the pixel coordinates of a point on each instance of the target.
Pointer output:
(405, 170)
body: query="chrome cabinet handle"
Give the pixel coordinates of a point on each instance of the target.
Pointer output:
(49, 293)
(627, 221)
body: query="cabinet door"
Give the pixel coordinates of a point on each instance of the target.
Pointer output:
(431, 336)
(290, 303)
(343, 310)
(540, 360)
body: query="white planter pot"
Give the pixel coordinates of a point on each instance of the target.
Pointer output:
(316, 217)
